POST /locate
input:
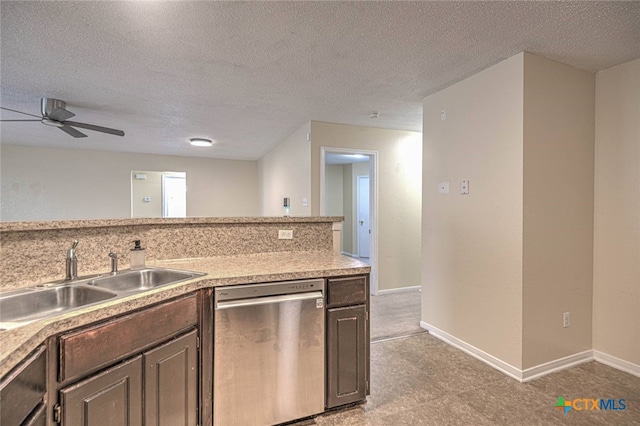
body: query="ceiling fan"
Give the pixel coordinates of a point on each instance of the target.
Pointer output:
(54, 113)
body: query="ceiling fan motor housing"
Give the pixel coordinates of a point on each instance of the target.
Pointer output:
(47, 105)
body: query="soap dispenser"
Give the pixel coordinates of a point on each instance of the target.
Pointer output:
(137, 256)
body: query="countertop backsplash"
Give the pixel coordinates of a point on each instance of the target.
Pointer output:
(32, 253)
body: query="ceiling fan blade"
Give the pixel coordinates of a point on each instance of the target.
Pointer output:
(20, 112)
(60, 114)
(95, 128)
(73, 132)
(26, 119)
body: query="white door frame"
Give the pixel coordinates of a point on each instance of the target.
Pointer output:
(373, 199)
(359, 237)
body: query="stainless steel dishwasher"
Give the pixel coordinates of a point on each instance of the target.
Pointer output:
(269, 349)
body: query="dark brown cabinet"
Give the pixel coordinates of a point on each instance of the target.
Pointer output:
(110, 398)
(347, 340)
(136, 369)
(346, 381)
(153, 366)
(22, 391)
(38, 417)
(171, 382)
(163, 380)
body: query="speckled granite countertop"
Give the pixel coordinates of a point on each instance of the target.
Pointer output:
(105, 223)
(17, 343)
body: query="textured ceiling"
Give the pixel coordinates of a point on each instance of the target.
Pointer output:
(248, 74)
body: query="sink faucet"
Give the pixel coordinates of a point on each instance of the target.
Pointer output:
(72, 263)
(114, 263)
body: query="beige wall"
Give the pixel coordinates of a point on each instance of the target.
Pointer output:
(56, 184)
(502, 264)
(344, 175)
(150, 187)
(357, 169)
(335, 198)
(399, 190)
(472, 244)
(334, 184)
(348, 194)
(285, 172)
(616, 329)
(559, 106)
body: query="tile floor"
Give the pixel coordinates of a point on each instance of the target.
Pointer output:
(395, 314)
(420, 380)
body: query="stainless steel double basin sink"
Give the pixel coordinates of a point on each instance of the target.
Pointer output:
(18, 307)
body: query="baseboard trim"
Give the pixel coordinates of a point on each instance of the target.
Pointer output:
(398, 290)
(556, 365)
(488, 359)
(617, 363)
(508, 369)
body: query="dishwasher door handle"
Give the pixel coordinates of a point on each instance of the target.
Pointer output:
(229, 304)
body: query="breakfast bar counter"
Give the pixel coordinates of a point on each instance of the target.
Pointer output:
(16, 343)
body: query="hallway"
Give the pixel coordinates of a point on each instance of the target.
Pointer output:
(395, 315)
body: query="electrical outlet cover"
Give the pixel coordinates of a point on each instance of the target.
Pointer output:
(285, 234)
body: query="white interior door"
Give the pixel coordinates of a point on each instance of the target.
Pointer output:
(364, 228)
(174, 196)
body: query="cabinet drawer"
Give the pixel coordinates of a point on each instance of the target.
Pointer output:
(93, 348)
(346, 291)
(23, 388)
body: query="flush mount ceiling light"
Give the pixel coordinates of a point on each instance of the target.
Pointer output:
(374, 115)
(202, 142)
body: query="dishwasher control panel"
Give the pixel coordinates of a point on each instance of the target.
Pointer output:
(304, 286)
(239, 292)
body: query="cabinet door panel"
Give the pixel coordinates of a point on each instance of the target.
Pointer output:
(110, 398)
(171, 382)
(38, 417)
(23, 388)
(346, 351)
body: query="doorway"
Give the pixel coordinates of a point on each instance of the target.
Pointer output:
(174, 195)
(158, 194)
(348, 188)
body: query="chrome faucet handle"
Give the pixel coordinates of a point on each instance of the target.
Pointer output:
(71, 267)
(114, 263)
(71, 253)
